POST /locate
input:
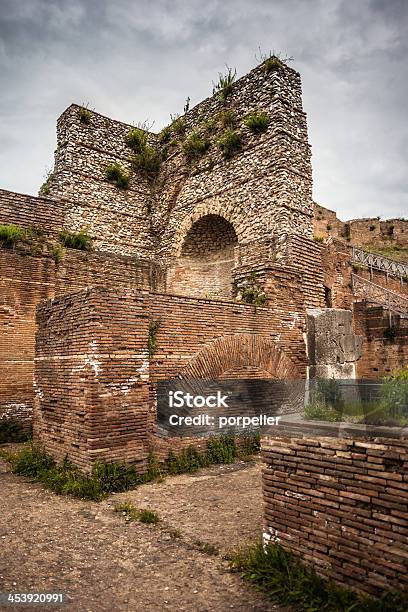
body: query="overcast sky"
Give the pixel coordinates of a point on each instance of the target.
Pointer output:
(138, 60)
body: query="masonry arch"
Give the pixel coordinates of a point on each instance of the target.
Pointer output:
(258, 372)
(205, 258)
(233, 355)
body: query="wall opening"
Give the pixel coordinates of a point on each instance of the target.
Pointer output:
(204, 268)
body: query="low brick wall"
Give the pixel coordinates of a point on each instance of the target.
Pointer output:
(341, 505)
(94, 377)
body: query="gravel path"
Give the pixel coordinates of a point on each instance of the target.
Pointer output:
(102, 562)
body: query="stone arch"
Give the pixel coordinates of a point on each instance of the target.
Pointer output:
(205, 257)
(231, 355)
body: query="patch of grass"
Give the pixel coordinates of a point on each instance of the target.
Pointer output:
(84, 115)
(226, 119)
(389, 409)
(12, 430)
(257, 122)
(328, 227)
(318, 238)
(11, 234)
(230, 142)
(116, 175)
(56, 252)
(392, 251)
(209, 126)
(133, 514)
(283, 577)
(195, 146)
(223, 87)
(221, 450)
(272, 64)
(154, 327)
(66, 479)
(148, 516)
(319, 411)
(76, 240)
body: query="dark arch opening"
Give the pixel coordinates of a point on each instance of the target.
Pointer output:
(204, 268)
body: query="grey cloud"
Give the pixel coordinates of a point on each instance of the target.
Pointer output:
(136, 60)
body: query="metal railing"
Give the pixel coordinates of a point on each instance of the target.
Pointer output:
(380, 262)
(379, 295)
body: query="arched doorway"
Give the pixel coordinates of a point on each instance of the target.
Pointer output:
(204, 267)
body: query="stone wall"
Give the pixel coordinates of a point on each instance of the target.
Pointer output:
(264, 188)
(361, 232)
(94, 378)
(340, 505)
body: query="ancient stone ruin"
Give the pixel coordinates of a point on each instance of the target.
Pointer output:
(197, 253)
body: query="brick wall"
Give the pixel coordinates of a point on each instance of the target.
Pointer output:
(381, 352)
(26, 280)
(340, 505)
(94, 378)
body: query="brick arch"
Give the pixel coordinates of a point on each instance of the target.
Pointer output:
(214, 206)
(232, 355)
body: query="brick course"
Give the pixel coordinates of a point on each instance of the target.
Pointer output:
(341, 505)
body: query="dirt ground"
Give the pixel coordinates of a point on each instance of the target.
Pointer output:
(103, 562)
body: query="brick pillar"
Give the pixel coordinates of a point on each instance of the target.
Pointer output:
(91, 377)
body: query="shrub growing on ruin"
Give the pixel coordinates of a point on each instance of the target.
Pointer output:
(154, 327)
(257, 122)
(227, 119)
(194, 146)
(45, 187)
(272, 64)
(319, 238)
(116, 175)
(230, 142)
(11, 234)
(165, 135)
(84, 115)
(76, 240)
(147, 161)
(178, 125)
(136, 139)
(223, 87)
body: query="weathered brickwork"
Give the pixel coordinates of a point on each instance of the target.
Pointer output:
(385, 341)
(93, 372)
(341, 505)
(26, 280)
